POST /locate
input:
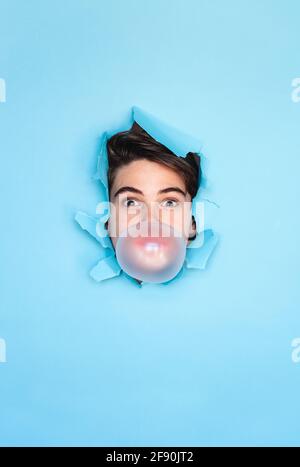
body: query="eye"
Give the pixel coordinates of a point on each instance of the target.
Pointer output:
(131, 202)
(169, 203)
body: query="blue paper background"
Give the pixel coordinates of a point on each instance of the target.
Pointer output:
(203, 361)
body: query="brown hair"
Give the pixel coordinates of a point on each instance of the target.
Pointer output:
(134, 144)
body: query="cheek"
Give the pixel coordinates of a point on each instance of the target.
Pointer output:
(121, 218)
(169, 217)
(179, 218)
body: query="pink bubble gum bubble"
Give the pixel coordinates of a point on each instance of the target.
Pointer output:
(151, 252)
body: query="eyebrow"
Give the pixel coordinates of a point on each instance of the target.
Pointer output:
(124, 189)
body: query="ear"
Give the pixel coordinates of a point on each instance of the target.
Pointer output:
(193, 230)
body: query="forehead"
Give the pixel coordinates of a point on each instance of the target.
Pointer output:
(147, 176)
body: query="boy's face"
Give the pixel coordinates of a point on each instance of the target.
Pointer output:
(145, 190)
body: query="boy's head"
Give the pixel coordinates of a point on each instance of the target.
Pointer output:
(147, 181)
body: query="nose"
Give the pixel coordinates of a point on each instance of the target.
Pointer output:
(150, 212)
